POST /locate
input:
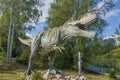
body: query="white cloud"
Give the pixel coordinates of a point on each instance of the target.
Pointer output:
(45, 10)
(100, 4)
(115, 1)
(112, 13)
(108, 37)
(111, 37)
(29, 35)
(42, 18)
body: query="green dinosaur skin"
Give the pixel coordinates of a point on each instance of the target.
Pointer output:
(53, 39)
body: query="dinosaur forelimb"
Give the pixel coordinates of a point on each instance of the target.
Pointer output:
(58, 48)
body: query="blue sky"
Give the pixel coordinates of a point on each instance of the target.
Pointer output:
(112, 17)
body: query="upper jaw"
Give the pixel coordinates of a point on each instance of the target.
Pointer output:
(91, 22)
(87, 19)
(82, 26)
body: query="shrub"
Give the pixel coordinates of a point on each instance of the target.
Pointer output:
(2, 56)
(21, 78)
(23, 59)
(39, 60)
(112, 75)
(37, 76)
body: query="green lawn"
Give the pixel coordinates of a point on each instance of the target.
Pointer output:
(12, 75)
(9, 76)
(89, 75)
(8, 72)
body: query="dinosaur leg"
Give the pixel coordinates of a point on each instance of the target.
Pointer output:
(29, 69)
(32, 55)
(53, 70)
(33, 52)
(51, 58)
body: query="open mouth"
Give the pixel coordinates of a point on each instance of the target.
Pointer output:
(82, 26)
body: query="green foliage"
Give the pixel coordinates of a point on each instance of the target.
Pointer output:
(21, 78)
(112, 75)
(23, 59)
(24, 11)
(37, 76)
(62, 10)
(115, 53)
(40, 61)
(2, 56)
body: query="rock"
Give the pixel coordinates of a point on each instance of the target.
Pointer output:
(62, 79)
(58, 76)
(21, 74)
(71, 79)
(45, 76)
(82, 78)
(29, 77)
(67, 77)
(53, 72)
(55, 79)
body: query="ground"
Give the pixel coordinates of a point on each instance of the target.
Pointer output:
(89, 75)
(10, 73)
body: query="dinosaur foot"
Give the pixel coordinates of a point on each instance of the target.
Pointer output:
(56, 71)
(29, 72)
(52, 73)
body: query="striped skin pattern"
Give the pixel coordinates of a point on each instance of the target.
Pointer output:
(54, 39)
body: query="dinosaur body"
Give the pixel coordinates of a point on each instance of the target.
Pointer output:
(53, 39)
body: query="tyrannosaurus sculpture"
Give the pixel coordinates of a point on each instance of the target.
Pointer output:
(53, 39)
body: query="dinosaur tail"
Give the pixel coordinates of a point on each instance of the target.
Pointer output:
(25, 41)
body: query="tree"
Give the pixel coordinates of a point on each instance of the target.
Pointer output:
(62, 10)
(14, 14)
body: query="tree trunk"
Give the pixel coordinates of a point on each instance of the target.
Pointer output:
(10, 37)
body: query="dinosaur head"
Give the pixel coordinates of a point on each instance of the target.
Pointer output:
(78, 28)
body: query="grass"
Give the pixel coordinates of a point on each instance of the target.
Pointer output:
(97, 77)
(8, 72)
(89, 75)
(9, 76)
(12, 75)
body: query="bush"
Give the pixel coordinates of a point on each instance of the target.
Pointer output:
(112, 75)
(21, 78)
(37, 76)
(23, 59)
(39, 60)
(2, 56)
